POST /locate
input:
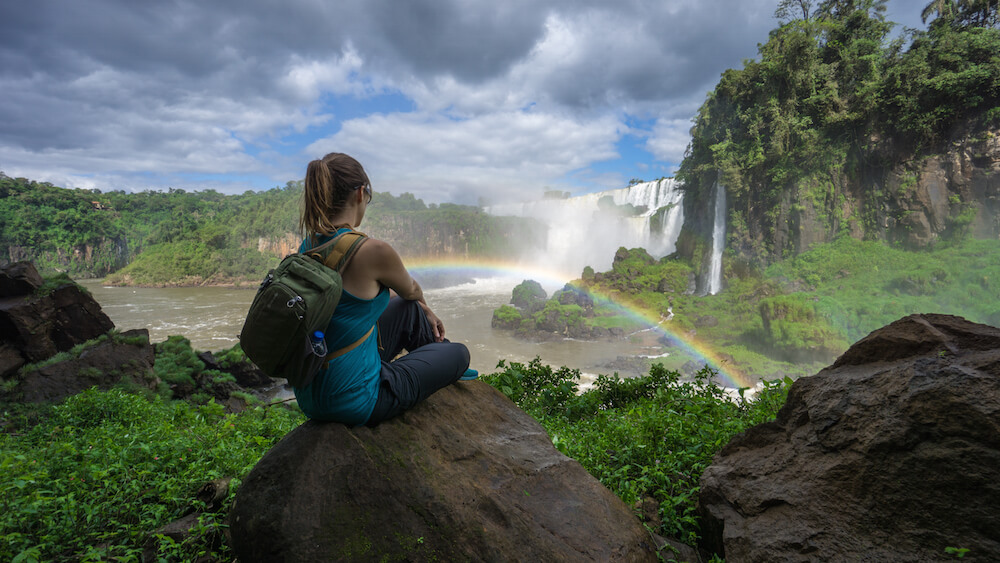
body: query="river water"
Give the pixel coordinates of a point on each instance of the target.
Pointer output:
(211, 318)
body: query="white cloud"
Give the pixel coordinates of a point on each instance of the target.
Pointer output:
(503, 155)
(669, 140)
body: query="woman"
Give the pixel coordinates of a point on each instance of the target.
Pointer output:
(367, 385)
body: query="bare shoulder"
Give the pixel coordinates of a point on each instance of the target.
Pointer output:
(376, 248)
(378, 254)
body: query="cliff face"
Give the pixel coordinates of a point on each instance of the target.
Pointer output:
(84, 260)
(408, 238)
(411, 236)
(915, 203)
(281, 246)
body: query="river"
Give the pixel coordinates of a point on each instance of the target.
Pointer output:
(211, 318)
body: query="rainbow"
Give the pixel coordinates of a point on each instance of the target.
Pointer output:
(732, 377)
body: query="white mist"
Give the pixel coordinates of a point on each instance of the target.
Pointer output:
(580, 234)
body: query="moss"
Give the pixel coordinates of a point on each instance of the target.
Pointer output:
(52, 283)
(508, 315)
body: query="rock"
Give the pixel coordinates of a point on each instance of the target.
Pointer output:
(465, 476)
(125, 357)
(570, 295)
(891, 454)
(528, 296)
(39, 326)
(19, 279)
(246, 373)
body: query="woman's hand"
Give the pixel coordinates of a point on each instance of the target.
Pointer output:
(436, 323)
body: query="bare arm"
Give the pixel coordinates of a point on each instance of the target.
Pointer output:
(387, 268)
(380, 264)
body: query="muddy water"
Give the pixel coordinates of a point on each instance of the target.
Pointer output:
(211, 317)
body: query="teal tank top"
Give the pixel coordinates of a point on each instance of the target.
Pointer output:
(347, 390)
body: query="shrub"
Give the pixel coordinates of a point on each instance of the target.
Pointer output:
(176, 361)
(647, 437)
(92, 481)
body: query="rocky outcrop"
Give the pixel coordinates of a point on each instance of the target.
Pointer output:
(109, 361)
(280, 247)
(95, 259)
(35, 325)
(534, 318)
(56, 341)
(890, 454)
(465, 476)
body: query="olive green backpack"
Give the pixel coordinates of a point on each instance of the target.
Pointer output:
(296, 299)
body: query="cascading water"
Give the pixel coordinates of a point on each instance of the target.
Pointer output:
(586, 231)
(718, 241)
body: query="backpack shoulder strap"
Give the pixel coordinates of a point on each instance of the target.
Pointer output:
(336, 253)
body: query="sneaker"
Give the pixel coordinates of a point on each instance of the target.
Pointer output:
(469, 375)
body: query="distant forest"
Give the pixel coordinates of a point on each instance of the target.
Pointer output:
(197, 237)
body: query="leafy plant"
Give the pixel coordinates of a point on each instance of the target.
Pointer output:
(95, 480)
(647, 437)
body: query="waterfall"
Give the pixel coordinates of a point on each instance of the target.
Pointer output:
(718, 241)
(580, 233)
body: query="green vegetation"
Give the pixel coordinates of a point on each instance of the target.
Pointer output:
(794, 317)
(833, 99)
(189, 238)
(647, 437)
(102, 472)
(862, 285)
(96, 477)
(176, 361)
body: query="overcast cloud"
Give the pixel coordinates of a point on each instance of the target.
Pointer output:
(454, 100)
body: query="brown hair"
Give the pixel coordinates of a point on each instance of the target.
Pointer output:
(329, 182)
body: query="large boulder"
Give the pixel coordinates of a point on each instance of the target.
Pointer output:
(465, 476)
(35, 325)
(891, 454)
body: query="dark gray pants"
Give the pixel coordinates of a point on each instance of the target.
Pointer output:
(427, 366)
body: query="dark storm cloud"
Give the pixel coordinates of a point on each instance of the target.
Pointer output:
(445, 37)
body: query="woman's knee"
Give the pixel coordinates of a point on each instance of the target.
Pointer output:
(463, 354)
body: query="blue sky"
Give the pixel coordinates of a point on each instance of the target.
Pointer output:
(452, 100)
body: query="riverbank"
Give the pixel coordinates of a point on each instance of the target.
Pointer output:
(126, 280)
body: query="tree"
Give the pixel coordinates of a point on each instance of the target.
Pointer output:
(943, 10)
(788, 9)
(978, 13)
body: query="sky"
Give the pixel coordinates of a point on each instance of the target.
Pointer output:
(463, 101)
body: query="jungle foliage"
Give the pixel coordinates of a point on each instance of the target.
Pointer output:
(644, 438)
(95, 477)
(180, 237)
(832, 87)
